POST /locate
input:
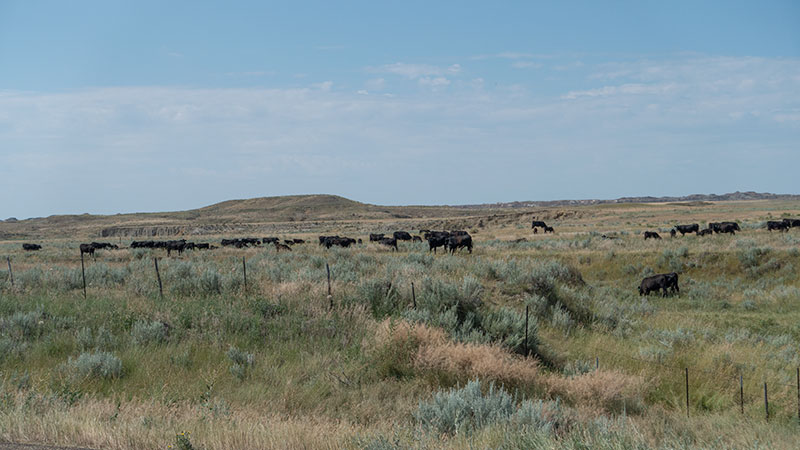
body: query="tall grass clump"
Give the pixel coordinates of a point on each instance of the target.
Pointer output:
(96, 365)
(380, 296)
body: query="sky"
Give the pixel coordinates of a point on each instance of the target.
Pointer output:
(111, 106)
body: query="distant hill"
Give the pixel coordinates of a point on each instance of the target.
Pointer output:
(307, 213)
(734, 196)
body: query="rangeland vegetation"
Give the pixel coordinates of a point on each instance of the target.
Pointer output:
(211, 365)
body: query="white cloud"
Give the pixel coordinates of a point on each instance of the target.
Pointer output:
(525, 65)
(375, 84)
(203, 145)
(324, 86)
(436, 82)
(625, 89)
(416, 71)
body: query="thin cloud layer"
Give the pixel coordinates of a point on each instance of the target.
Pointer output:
(630, 128)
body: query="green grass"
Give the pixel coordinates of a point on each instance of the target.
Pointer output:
(207, 358)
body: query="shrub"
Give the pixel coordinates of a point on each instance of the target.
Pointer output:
(23, 325)
(468, 409)
(464, 410)
(150, 332)
(96, 365)
(210, 282)
(242, 361)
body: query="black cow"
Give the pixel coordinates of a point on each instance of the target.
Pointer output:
(87, 248)
(375, 237)
(538, 224)
(437, 239)
(460, 241)
(724, 227)
(683, 229)
(651, 235)
(270, 240)
(416, 239)
(176, 246)
(279, 247)
(549, 230)
(330, 241)
(288, 242)
(390, 242)
(31, 247)
(402, 235)
(298, 241)
(706, 232)
(203, 246)
(775, 225)
(791, 223)
(728, 227)
(663, 282)
(672, 232)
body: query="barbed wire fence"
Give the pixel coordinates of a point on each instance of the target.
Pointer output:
(737, 380)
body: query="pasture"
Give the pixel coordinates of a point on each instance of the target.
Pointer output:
(380, 365)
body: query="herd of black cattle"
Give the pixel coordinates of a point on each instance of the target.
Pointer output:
(449, 240)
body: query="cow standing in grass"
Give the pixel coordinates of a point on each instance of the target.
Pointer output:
(651, 235)
(683, 229)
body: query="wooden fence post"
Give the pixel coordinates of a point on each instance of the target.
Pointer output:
(83, 274)
(158, 277)
(766, 401)
(413, 295)
(330, 295)
(741, 393)
(10, 272)
(596, 363)
(687, 391)
(244, 272)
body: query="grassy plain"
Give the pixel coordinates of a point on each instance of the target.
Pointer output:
(275, 367)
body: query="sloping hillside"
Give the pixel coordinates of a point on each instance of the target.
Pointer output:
(224, 217)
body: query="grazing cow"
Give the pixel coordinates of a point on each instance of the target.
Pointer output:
(651, 235)
(663, 282)
(402, 235)
(298, 241)
(390, 242)
(330, 241)
(775, 225)
(31, 247)
(288, 242)
(375, 237)
(538, 224)
(279, 247)
(176, 246)
(437, 239)
(87, 248)
(672, 232)
(416, 239)
(535, 231)
(683, 229)
(706, 232)
(203, 246)
(460, 241)
(270, 240)
(549, 230)
(359, 241)
(724, 227)
(791, 223)
(728, 227)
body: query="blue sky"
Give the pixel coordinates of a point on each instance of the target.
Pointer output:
(112, 107)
